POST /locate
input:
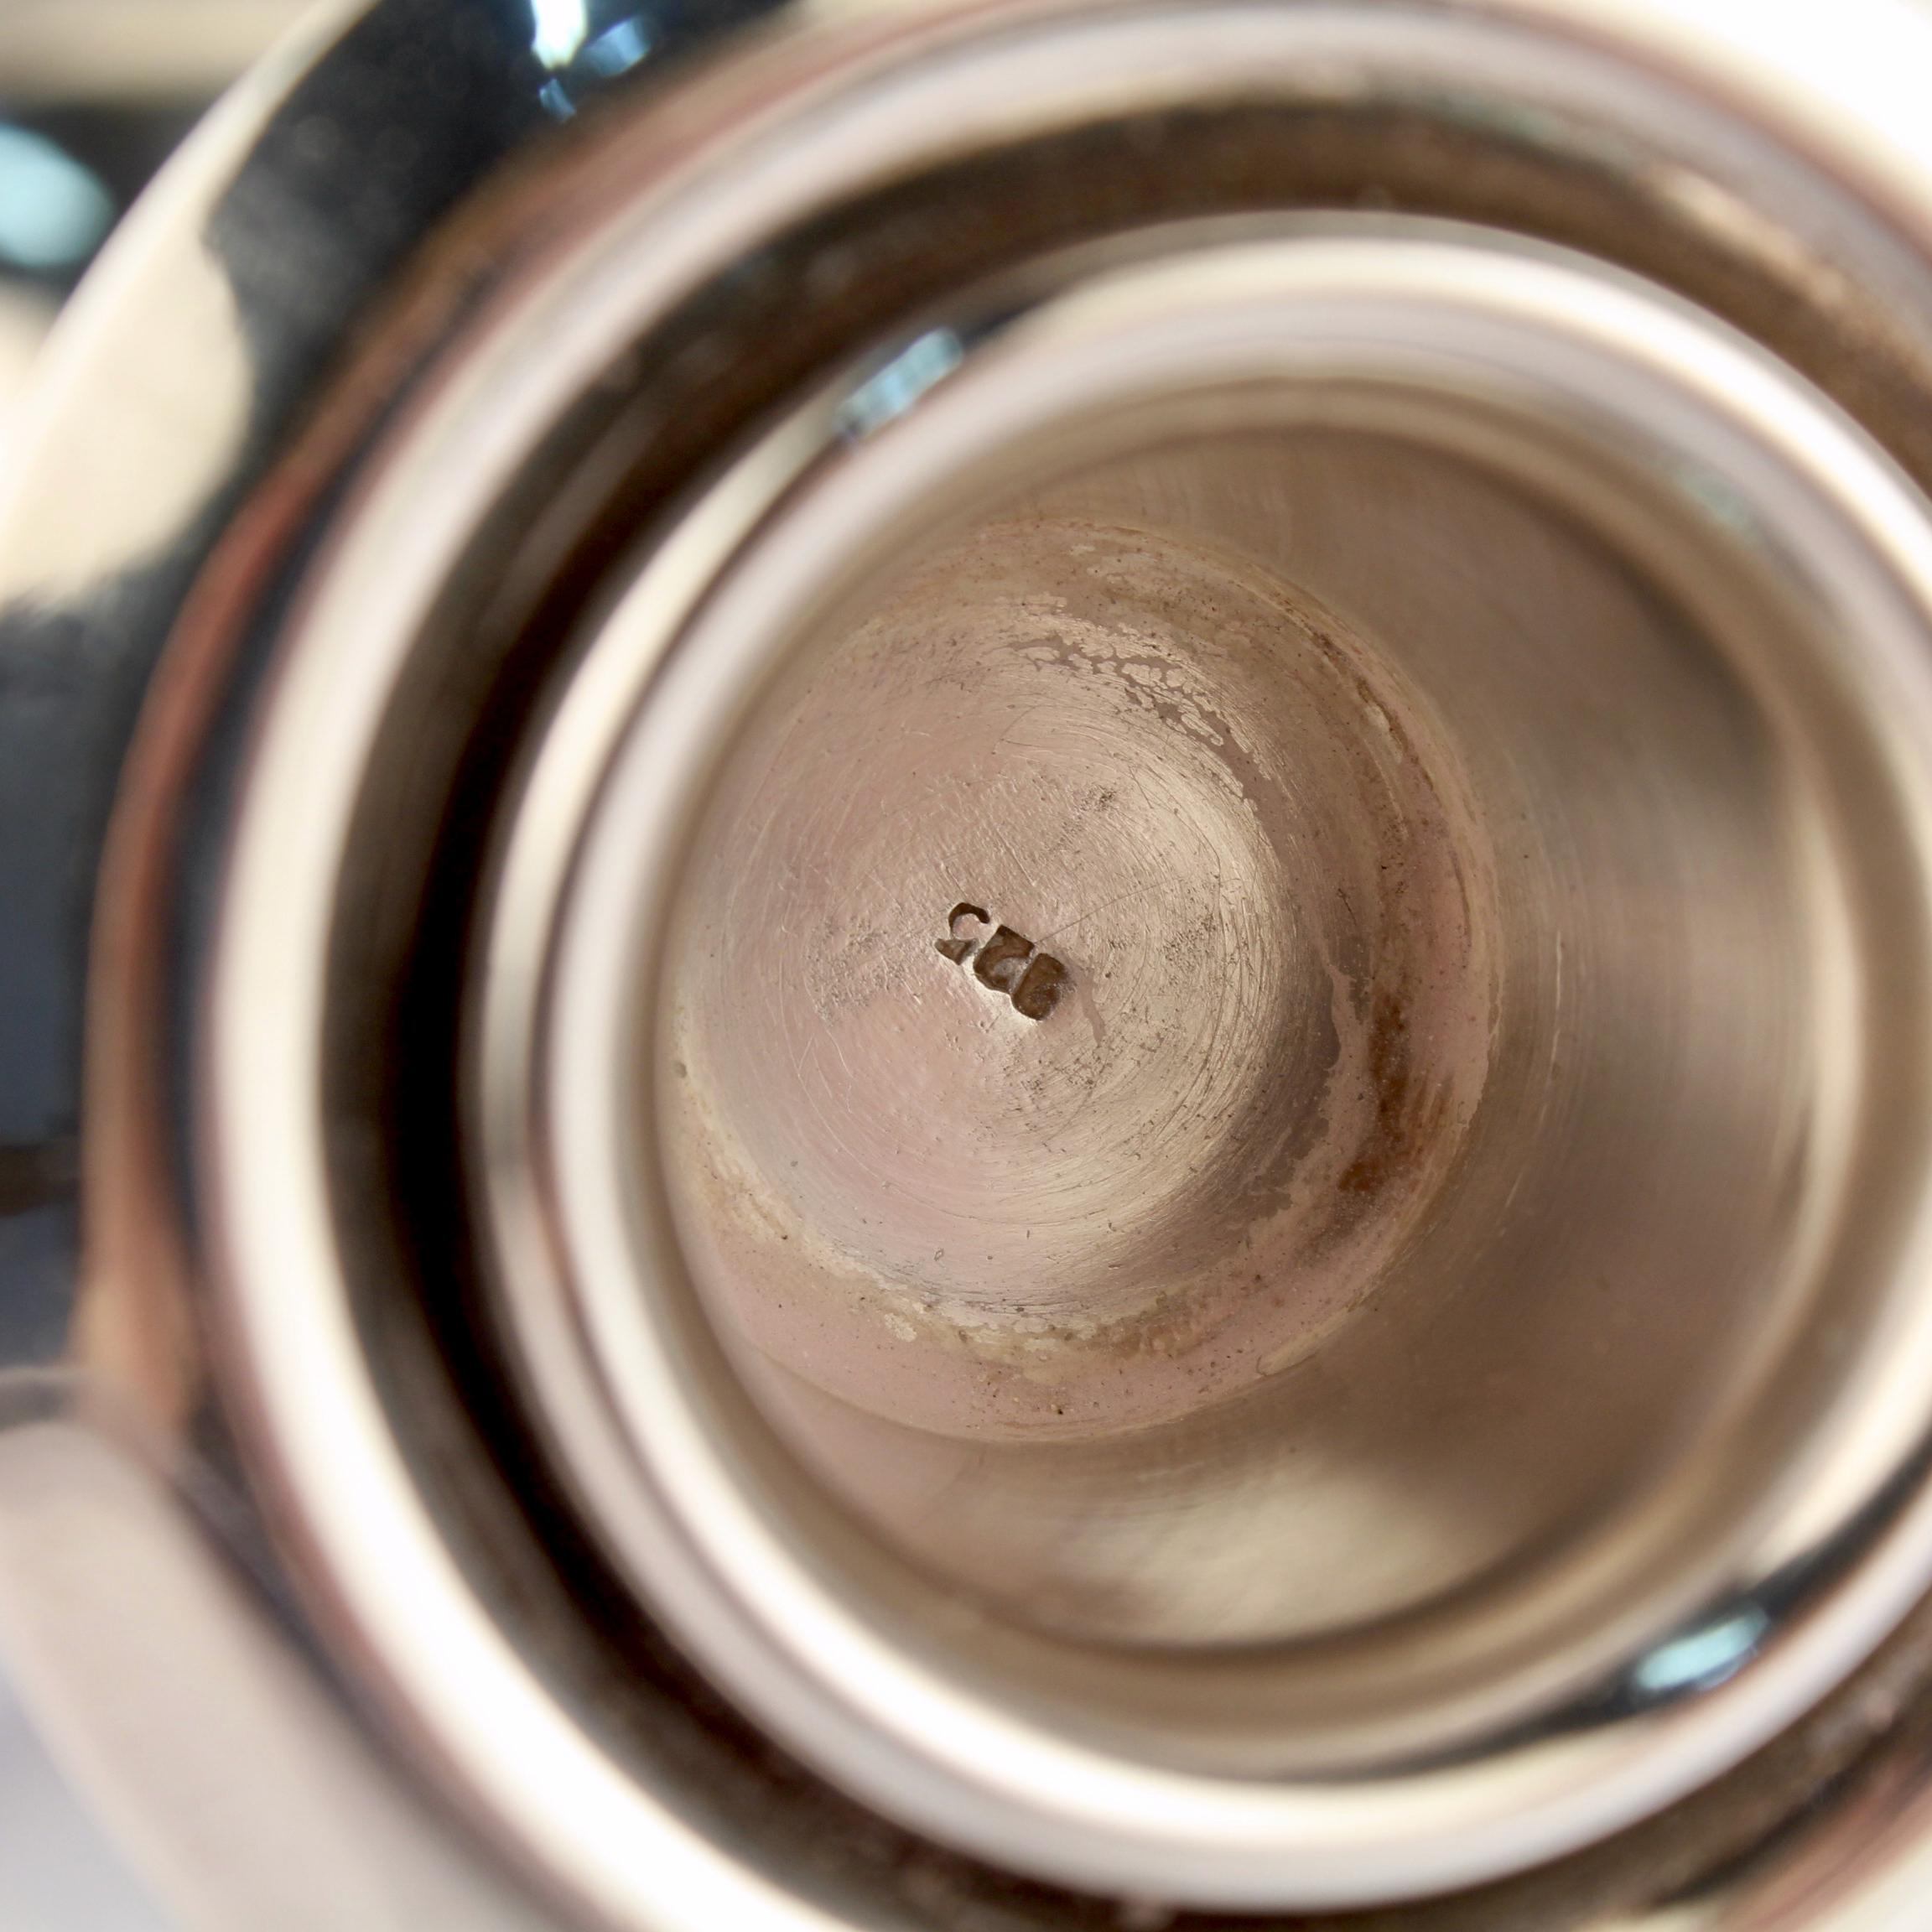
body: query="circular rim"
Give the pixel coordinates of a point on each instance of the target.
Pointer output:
(735, 1579)
(317, 1416)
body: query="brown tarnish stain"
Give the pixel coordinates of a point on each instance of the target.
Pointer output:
(1262, 1067)
(1404, 1119)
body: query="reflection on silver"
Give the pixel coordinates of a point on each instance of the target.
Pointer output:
(53, 211)
(562, 26)
(885, 397)
(1701, 1659)
(1115, 1325)
(1067, 872)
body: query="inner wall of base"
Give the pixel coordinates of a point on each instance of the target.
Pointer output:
(1391, 1168)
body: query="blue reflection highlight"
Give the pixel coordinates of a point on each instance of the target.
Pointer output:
(54, 213)
(581, 53)
(562, 26)
(618, 50)
(901, 383)
(1701, 1659)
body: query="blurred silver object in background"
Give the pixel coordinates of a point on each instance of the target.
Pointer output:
(970, 965)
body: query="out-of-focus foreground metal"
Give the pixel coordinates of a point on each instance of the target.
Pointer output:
(968, 963)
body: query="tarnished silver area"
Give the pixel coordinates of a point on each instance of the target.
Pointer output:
(1010, 1004)
(998, 1268)
(1274, 1014)
(1242, 1299)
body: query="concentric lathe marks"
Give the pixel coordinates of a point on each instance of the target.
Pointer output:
(1005, 962)
(1236, 821)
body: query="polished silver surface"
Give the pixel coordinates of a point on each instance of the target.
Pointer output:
(1330, 1289)
(1009, 1005)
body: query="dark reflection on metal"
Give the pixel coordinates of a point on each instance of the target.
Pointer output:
(307, 235)
(38, 1174)
(584, 44)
